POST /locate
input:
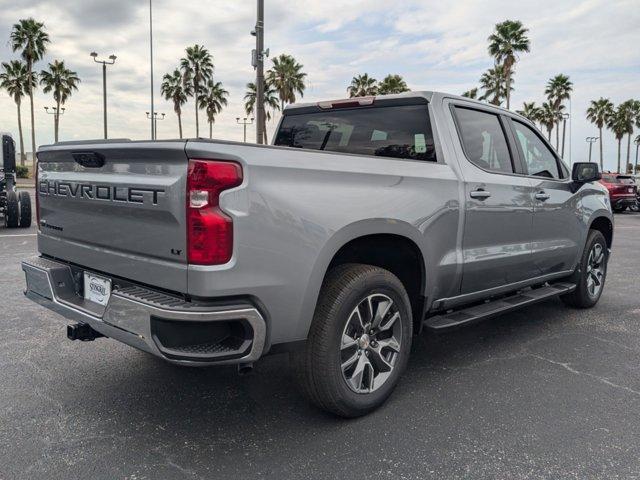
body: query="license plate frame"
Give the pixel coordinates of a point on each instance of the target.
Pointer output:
(97, 289)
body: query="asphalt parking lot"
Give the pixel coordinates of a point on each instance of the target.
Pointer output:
(546, 392)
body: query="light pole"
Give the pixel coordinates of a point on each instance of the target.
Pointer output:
(56, 120)
(591, 141)
(155, 117)
(152, 117)
(244, 123)
(112, 60)
(258, 61)
(565, 116)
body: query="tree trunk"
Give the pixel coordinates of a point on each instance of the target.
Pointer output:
(557, 136)
(180, 125)
(549, 133)
(508, 89)
(210, 129)
(195, 93)
(601, 156)
(56, 123)
(33, 122)
(23, 155)
(564, 135)
(628, 149)
(619, 148)
(265, 134)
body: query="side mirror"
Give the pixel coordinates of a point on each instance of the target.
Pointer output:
(585, 172)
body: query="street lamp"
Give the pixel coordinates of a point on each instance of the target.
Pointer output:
(111, 61)
(591, 141)
(244, 123)
(564, 116)
(156, 117)
(56, 119)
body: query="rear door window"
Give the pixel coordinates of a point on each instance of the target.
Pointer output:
(484, 140)
(394, 131)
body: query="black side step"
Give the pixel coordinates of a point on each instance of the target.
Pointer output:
(476, 313)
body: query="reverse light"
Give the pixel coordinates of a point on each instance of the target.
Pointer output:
(209, 229)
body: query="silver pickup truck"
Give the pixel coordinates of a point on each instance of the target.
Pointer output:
(367, 221)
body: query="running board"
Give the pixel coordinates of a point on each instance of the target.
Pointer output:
(492, 308)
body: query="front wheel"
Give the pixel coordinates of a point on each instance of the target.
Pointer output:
(591, 273)
(359, 341)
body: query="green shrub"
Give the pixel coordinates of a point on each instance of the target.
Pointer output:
(22, 171)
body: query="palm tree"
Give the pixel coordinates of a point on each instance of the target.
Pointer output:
(558, 90)
(472, 94)
(509, 38)
(363, 86)
(632, 116)
(599, 113)
(494, 82)
(271, 102)
(197, 67)
(547, 117)
(211, 100)
(29, 37)
(287, 77)
(619, 123)
(530, 111)
(14, 79)
(173, 88)
(392, 84)
(62, 82)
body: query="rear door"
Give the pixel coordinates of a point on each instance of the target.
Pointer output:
(498, 203)
(557, 230)
(117, 208)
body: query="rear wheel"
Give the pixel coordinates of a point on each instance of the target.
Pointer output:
(12, 214)
(619, 209)
(590, 274)
(24, 201)
(359, 341)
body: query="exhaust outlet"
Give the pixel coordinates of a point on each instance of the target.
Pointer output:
(245, 368)
(82, 332)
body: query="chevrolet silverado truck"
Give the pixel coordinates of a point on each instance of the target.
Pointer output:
(367, 221)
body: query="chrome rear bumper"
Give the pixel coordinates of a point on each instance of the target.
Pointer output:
(147, 319)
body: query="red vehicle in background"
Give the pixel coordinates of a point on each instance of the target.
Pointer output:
(622, 190)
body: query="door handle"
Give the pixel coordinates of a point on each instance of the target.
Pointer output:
(480, 194)
(542, 196)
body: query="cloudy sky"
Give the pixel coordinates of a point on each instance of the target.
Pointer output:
(435, 45)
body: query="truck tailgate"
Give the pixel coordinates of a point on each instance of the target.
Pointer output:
(117, 208)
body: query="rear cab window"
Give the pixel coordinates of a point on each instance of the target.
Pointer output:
(383, 131)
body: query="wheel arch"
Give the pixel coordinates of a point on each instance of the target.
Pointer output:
(370, 242)
(605, 226)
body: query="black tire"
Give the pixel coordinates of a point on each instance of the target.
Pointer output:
(319, 365)
(619, 209)
(12, 214)
(582, 296)
(25, 209)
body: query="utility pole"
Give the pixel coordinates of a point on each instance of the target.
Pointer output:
(112, 60)
(244, 123)
(260, 116)
(153, 129)
(590, 141)
(57, 113)
(154, 121)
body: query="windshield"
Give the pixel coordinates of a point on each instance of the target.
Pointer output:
(398, 131)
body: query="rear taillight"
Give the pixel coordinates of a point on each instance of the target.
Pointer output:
(209, 229)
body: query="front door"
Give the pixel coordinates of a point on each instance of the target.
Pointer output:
(557, 230)
(498, 205)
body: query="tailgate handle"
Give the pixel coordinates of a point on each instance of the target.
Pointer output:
(89, 159)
